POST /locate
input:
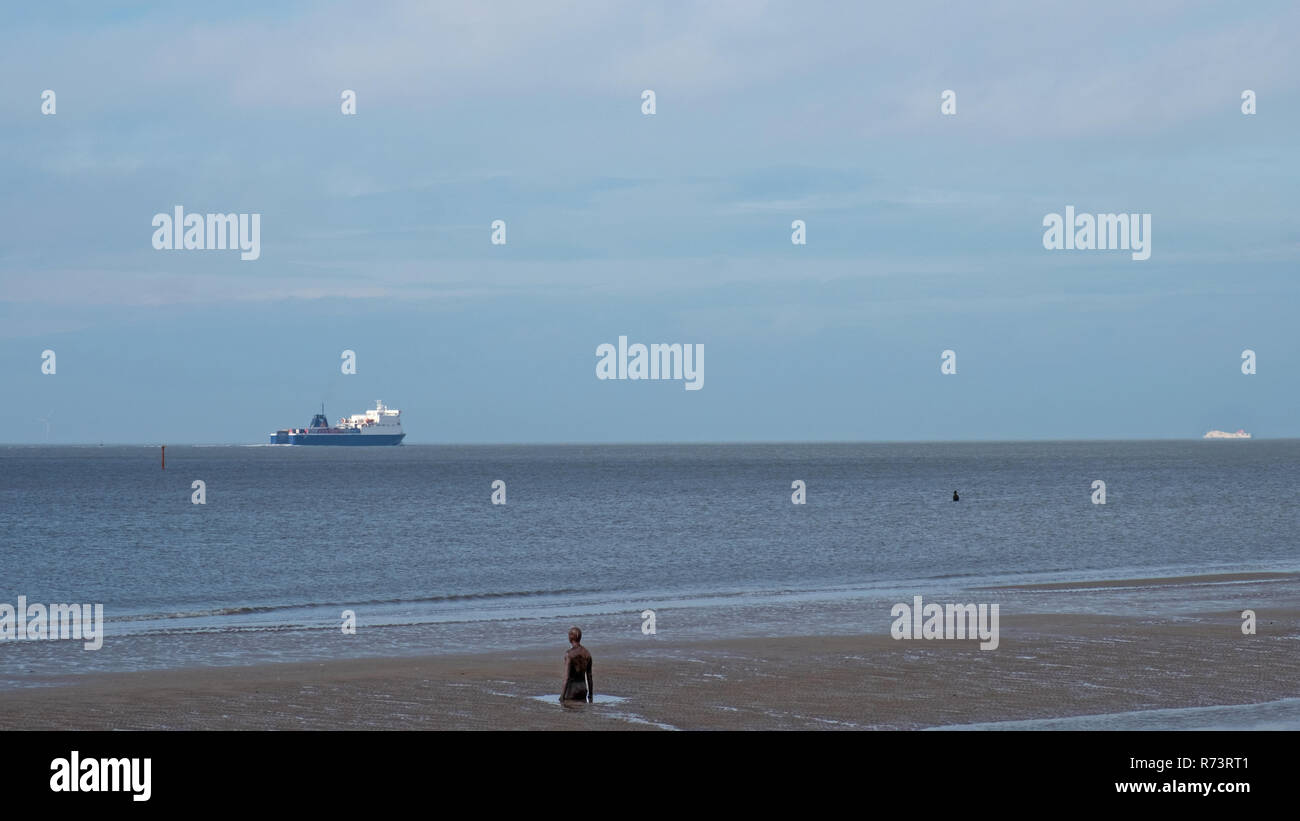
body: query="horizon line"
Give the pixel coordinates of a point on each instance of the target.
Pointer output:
(661, 443)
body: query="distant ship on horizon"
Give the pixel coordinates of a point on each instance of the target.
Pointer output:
(1219, 434)
(380, 426)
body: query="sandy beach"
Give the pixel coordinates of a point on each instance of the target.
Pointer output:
(1047, 666)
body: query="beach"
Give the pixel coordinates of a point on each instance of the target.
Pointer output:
(411, 607)
(1046, 666)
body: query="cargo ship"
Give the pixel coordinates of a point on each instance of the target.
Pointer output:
(380, 426)
(1219, 434)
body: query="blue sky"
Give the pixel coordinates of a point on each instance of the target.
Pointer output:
(924, 231)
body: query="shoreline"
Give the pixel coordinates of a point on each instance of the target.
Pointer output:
(1056, 666)
(510, 628)
(1188, 580)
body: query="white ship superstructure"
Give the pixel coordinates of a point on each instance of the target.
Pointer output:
(1219, 434)
(379, 421)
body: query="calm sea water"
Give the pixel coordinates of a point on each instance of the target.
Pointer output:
(706, 536)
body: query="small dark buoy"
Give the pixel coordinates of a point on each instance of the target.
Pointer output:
(955, 497)
(164, 460)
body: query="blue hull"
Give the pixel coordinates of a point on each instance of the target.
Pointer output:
(338, 439)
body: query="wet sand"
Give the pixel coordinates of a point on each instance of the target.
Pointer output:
(1047, 666)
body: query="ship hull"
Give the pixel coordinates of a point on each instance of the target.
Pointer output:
(338, 439)
(376, 427)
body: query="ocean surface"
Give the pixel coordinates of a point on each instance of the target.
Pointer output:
(704, 535)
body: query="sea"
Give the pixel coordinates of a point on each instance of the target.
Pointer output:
(703, 538)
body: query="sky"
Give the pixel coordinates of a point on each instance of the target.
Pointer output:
(924, 231)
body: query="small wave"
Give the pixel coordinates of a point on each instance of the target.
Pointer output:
(273, 608)
(200, 614)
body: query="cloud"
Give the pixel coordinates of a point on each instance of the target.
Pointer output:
(1020, 68)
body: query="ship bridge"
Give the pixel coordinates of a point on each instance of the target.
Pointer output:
(380, 416)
